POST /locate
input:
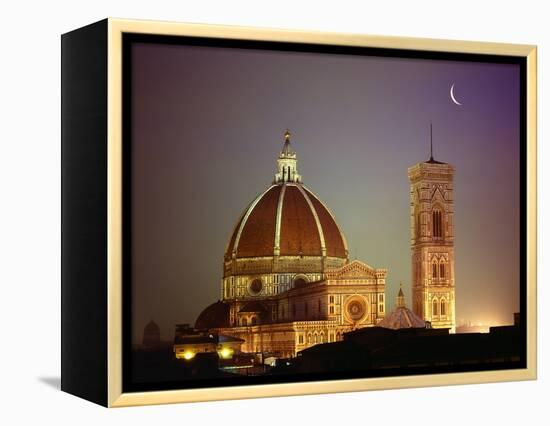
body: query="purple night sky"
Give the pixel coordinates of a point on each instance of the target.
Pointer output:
(208, 126)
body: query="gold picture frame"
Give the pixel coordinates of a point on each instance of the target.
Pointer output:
(115, 29)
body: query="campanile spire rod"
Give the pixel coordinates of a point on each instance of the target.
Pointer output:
(431, 143)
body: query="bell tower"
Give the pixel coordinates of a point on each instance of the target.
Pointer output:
(432, 241)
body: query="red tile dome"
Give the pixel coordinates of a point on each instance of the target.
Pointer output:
(286, 220)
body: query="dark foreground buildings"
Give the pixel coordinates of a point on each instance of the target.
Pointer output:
(409, 349)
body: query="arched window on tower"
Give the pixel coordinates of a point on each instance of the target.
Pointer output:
(443, 307)
(437, 229)
(434, 270)
(442, 269)
(435, 310)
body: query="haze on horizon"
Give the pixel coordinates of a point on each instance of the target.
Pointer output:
(208, 125)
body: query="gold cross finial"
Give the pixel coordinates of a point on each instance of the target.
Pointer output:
(287, 136)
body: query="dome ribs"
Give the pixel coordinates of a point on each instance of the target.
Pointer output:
(299, 233)
(334, 242)
(258, 233)
(229, 249)
(286, 220)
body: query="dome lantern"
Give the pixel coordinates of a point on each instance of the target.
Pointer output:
(287, 163)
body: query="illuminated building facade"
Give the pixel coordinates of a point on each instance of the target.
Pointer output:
(189, 342)
(432, 242)
(287, 280)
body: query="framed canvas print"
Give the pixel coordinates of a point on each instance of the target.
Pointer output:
(255, 212)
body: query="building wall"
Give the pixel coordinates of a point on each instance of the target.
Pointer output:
(349, 297)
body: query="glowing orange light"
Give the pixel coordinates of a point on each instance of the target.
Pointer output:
(188, 355)
(225, 353)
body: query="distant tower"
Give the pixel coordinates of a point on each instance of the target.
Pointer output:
(151, 335)
(432, 241)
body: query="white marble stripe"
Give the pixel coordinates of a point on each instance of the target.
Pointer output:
(277, 244)
(317, 221)
(249, 211)
(333, 218)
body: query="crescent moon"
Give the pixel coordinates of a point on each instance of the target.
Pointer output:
(453, 95)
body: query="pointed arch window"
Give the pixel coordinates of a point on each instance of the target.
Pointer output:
(437, 228)
(434, 270)
(435, 310)
(442, 269)
(443, 307)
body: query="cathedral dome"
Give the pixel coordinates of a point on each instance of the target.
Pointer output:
(214, 316)
(286, 220)
(285, 230)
